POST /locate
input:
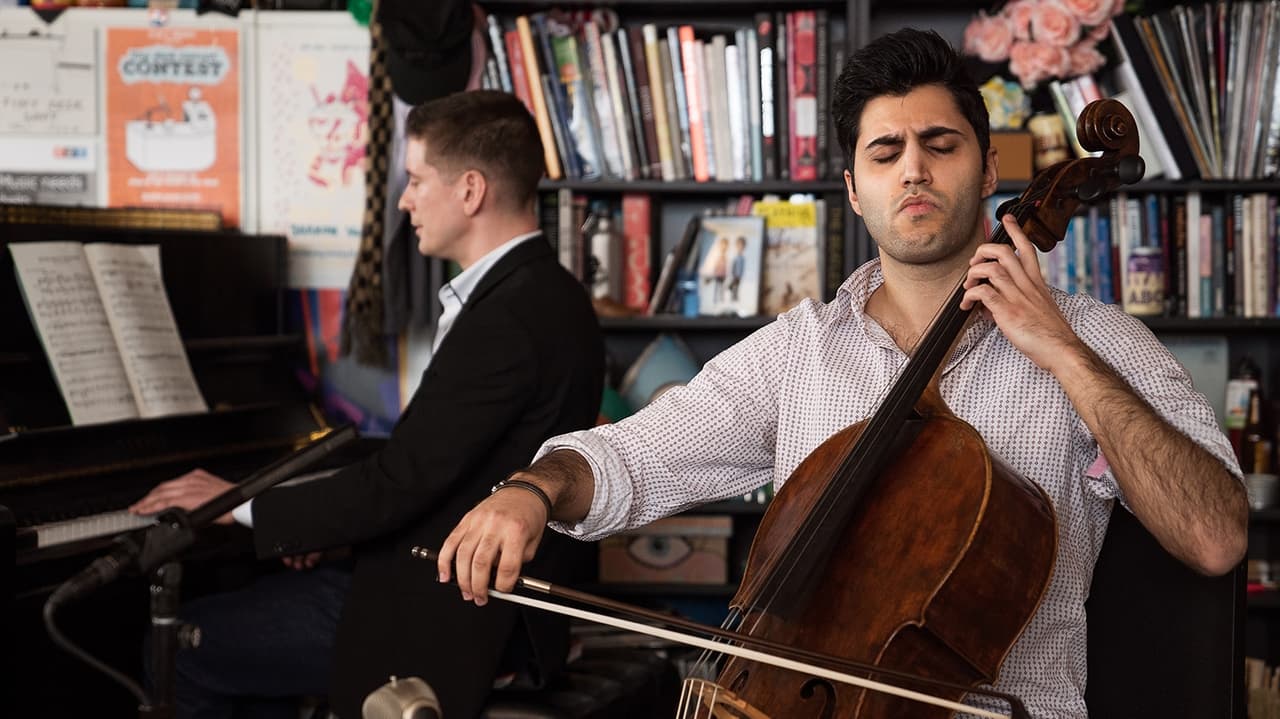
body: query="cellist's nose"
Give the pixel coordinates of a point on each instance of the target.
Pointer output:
(915, 165)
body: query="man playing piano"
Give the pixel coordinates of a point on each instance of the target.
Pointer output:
(518, 357)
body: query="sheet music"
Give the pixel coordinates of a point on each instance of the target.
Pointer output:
(62, 298)
(129, 281)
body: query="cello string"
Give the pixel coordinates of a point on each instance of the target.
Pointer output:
(704, 664)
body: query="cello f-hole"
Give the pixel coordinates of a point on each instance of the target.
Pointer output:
(820, 690)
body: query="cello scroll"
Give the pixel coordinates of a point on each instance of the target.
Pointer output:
(1045, 209)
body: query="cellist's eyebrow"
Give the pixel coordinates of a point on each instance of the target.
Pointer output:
(895, 139)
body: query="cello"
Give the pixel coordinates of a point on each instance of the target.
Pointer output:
(951, 595)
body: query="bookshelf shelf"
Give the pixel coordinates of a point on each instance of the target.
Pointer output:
(1182, 186)
(676, 323)
(1214, 325)
(1269, 515)
(730, 506)
(1269, 599)
(659, 187)
(1203, 186)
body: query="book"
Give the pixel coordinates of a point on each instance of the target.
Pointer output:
(104, 320)
(636, 248)
(671, 266)
(729, 254)
(768, 94)
(1142, 79)
(792, 254)
(541, 111)
(802, 89)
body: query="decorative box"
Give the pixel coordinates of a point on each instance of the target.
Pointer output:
(683, 550)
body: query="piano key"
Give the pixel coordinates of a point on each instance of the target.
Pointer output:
(98, 525)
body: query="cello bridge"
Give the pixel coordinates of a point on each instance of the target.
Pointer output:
(702, 699)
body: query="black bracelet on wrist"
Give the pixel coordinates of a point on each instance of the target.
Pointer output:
(529, 487)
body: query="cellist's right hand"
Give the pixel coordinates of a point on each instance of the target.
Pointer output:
(505, 528)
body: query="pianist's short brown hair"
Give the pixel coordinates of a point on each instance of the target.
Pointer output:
(483, 130)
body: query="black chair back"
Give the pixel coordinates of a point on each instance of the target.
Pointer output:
(1164, 641)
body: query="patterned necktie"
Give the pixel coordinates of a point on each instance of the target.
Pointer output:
(362, 328)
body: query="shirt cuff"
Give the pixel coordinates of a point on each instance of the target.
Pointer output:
(244, 514)
(611, 499)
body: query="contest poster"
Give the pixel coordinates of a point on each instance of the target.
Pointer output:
(313, 118)
(172, 98)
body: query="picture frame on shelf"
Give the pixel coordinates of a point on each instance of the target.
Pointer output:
(730, 258)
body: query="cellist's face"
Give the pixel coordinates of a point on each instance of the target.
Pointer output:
(919, 177)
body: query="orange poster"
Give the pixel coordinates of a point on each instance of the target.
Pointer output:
(173, 119)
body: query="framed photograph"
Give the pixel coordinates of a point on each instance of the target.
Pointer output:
(730, 254)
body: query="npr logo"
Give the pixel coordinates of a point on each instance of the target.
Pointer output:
(70, 151)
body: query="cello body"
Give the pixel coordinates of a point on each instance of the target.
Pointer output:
(938, 589)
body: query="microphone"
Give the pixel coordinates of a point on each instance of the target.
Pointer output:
(408, 698)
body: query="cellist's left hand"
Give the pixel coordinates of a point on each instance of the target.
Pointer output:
(1017, 298)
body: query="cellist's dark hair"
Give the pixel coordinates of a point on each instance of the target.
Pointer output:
(895, 64)
(486, 130)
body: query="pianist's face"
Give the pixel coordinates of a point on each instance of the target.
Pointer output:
(434, 201)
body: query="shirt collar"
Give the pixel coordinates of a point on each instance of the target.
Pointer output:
(460, 287)
(852, 298)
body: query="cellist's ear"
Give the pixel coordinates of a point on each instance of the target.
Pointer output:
(853, 194)
(990, 172)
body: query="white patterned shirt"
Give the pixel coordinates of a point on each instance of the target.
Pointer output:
(760, 407)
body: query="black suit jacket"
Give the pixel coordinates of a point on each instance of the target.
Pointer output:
(523, 361)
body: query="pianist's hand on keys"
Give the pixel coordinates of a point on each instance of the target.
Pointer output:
(187, 492)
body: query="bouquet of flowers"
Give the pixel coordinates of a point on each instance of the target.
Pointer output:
(1043, 39)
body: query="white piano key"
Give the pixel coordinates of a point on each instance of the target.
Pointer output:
(97, 525)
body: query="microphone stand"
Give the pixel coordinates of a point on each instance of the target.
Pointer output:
(168, 635)
(157, 554)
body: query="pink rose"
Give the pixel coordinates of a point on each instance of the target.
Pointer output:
(1085, 58)
(1118, 8)
(1099, 33)
(1052, 23)
(1018, 14)
(1034, 62)
(1090, 12)
(988, 38)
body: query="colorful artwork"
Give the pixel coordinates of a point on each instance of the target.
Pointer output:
(313, 117)
(173, 119)
(369, 397)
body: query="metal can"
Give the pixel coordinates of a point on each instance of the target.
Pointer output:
(1144, 281)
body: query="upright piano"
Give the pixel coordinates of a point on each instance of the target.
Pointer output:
(64, 488)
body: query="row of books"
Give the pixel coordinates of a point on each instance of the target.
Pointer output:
(680, 102)
(1210, 254)
(755, 256)
(1209, 76)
